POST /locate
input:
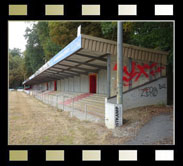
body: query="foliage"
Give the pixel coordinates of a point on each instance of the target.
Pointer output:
(49, 47)
(34, 54)
(156, 35)
(62, 33)
(16, 69)
(109, 30)
(15, 52)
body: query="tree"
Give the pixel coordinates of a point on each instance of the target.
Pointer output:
(15, 52)
(50, 48)
(16, 69)
(109, 30)
(62, 33)
(34, 54)
(155, 35)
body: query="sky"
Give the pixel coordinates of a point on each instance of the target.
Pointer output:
(16, 34)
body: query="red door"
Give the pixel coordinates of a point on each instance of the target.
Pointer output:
(46, 86)
(92, 83)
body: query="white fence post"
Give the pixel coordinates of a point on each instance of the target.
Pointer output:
(57, 101)
(72, 107)
(63, 102)
(85, 111)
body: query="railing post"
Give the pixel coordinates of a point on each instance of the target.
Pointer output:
(63, 102)
(72, 106)
(57, 101)
(85, 111)
(51, 100)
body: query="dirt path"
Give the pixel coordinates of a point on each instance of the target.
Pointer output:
(158, 129)
(31, 122)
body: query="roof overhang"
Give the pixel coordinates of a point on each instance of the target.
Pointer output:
(87, 54)
(71, 61)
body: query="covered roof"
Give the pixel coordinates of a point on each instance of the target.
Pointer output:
(88, 54)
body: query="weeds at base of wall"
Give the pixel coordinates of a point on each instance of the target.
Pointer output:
(161, 104)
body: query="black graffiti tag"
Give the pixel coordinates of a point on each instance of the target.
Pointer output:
(149, 92)
(162, 86)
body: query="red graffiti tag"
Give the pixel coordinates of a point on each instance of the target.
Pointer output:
(137, 71)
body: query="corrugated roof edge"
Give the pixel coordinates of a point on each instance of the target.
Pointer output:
(124, 44)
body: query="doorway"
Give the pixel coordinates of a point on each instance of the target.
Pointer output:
(93, 84)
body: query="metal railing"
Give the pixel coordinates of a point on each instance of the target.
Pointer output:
(66, 102)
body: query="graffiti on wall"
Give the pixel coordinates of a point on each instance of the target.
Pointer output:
(163, 86)
(139, 70)
(151, 91)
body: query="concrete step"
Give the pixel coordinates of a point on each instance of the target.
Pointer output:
(92, 112)
(99, 94)
(89, 106)
(88, 102)
(93, 101)
(92, 108)
(97, 98)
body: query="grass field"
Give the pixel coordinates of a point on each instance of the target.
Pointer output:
(31, 122)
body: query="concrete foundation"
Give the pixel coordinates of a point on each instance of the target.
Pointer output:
(113, 115)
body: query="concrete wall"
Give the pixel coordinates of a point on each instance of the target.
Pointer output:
(66, 85)
(135, 81)
(41, 87)
(44, 86)
(77, 84)
(81, 83)
(58, 85)
(71, 84)
(51, 85)
(62, 85)
(148, 94)
(102, 82)
(84, 83)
